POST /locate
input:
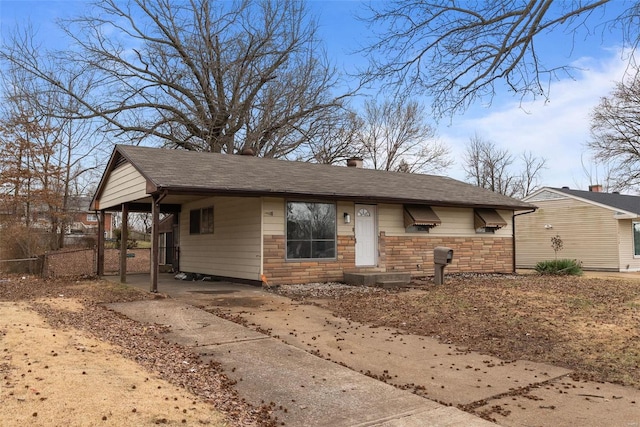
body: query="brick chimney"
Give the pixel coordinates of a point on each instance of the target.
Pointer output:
(596, 188)
(354, 162)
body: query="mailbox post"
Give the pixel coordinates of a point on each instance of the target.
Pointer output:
(441, 257)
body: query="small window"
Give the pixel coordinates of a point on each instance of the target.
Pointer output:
(487, 221)
(201, 221)
(364, 212)
(418, 228)
(419, 218)
(636, 239)
(92, 218)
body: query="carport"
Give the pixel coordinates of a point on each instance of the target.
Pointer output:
(155, 208)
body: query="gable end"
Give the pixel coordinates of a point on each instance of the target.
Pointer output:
(547, 195)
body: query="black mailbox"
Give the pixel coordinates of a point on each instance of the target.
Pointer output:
(442, 255)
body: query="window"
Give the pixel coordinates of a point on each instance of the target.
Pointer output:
(311, 230)
(487, 220)
(92, 218)
(201, 221)
(636, 238)
(419, 218)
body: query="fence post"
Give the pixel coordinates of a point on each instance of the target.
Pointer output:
(44, 270)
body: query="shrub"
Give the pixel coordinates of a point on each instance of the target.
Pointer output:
(560, 267)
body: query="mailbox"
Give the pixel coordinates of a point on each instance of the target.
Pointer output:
(442, 256)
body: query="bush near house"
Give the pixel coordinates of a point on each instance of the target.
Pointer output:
(560, 267)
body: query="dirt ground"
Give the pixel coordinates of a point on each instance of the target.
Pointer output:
(589, 325)
(66, 360)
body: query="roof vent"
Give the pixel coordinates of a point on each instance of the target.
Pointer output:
(565, 188)
(615, 192)
(247, 151)
(354, 162)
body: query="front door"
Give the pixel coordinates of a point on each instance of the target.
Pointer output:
(366, 239)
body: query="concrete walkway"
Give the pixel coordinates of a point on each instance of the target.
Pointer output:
(302, 366)
(307, 390)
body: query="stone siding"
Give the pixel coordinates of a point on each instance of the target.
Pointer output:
(412, 254)
(470, 254)
(279, 271)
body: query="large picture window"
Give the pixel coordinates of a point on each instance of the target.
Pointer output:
(201, 221)
(311, 230)
(636, 239)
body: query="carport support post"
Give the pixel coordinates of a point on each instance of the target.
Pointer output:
(155, 241)
(124, 237)
(100, 245)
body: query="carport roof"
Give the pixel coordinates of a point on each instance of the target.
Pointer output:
(196, 173)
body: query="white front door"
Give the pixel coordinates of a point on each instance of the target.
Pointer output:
(366, 239)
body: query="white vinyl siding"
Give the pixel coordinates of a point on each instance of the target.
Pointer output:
(456, 222)
(234, 250)
(341, 209)
(589, 234)
(628, 262)
(125, 184)
(273, 222)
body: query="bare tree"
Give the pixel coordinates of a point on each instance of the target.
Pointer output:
(394, 136)
(43, 154)
(335, 141)
(599, 173)
(491, 167)
(195, 75)
(530, 174)
(460, 51)
(615, 133)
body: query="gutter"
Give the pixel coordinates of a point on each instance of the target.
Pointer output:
(513, 233)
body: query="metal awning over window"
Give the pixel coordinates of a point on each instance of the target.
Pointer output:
(420, 215)
(488, 218)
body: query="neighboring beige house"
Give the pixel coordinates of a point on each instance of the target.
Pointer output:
(602, 230)
(256, 219)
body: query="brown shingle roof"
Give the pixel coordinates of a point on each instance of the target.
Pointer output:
(210, 173)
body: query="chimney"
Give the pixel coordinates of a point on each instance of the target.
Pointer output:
(354, 162)
(596, 188)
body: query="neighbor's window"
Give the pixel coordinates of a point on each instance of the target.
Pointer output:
(92, 218)
(636, 238)
(311, 230)
(201, 221)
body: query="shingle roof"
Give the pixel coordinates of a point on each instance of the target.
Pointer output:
(622, 202)
(213, 173)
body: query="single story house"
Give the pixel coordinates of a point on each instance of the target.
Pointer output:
(276, 221)
(602, 230)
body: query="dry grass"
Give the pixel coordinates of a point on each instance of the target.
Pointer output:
(591, 326)
(59, 345)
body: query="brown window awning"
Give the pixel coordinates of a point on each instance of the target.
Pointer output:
(488, 218)
(420, 215)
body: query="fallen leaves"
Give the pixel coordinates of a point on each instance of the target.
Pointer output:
(589, 325)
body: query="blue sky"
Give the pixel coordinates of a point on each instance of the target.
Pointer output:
(556, 130)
